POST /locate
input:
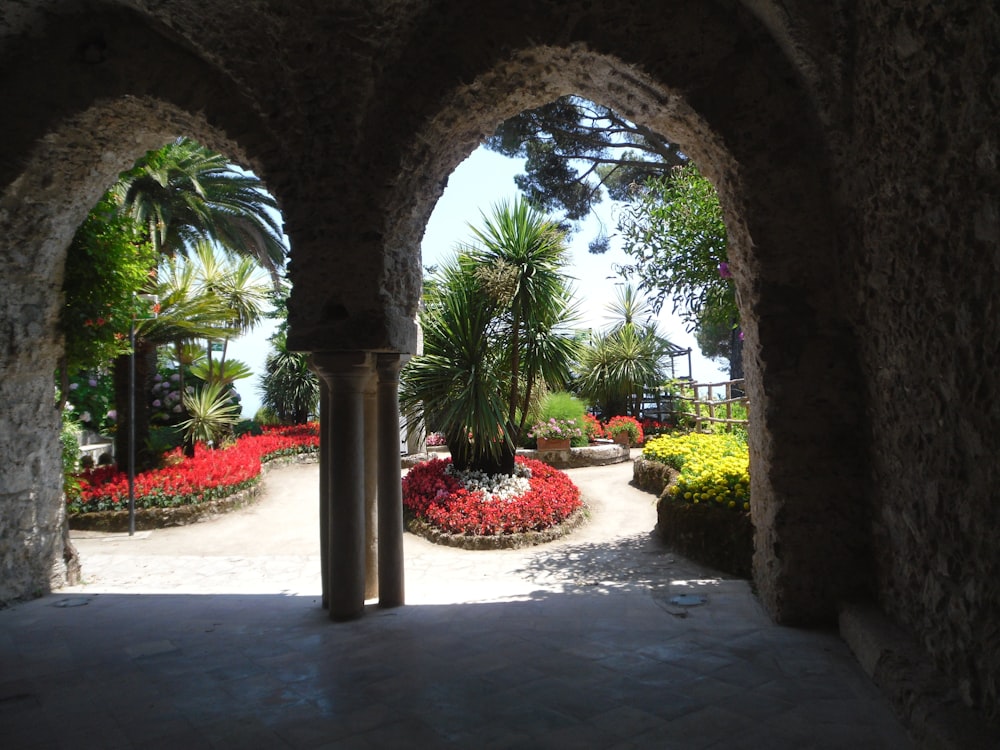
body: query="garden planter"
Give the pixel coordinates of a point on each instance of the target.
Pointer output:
(547, 444)
(623, 438)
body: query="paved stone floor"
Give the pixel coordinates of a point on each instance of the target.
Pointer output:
(212, 636)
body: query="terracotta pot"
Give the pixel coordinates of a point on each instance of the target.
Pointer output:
(623, 438)
(546, 444)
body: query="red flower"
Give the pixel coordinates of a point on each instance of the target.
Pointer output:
(439, 499)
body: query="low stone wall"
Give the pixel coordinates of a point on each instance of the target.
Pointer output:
(718, 537)
(575, 458)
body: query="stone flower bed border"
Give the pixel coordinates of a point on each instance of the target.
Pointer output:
(504, 541)
(714, 536)
(591, 455)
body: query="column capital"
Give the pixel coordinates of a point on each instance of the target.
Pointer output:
(352, 370)
(345, 362)
(389, 363)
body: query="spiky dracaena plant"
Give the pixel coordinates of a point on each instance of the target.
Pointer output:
(212, 413)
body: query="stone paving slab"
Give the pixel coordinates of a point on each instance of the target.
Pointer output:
(212, 636)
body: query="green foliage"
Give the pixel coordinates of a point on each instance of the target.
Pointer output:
(713, 469)
(89, 398)
(290, 389)
(625, 359)
(69, 439)
(247, 427)
(266, 417)
(560, 405)
(184, 193)
(165, 438)
(212, 413)
(108, 261)
(224, 372)
(675, 234)
(495, 333)
(575, 150)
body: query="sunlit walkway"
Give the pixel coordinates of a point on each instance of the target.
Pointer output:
(212, 636)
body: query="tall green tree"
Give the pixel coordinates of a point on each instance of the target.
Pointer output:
(495, 325)
(624, 360)
(290, 389)
(185, 193)
(520, 256)
(675, 234)
(107, 261)
(575, 151)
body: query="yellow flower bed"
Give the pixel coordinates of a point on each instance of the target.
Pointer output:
(713, 468)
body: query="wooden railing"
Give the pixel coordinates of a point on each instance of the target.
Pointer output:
(707, 407)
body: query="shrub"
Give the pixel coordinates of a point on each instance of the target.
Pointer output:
(247, 427)
(565, 407)
(620, 424)
(556, 429)
(69, 439)
(713, 468)
(592, 428)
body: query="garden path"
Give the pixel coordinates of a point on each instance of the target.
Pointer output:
(211, 636)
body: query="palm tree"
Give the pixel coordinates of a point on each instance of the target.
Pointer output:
(459, 378)
(185, 193)
(525, 253)
(290, 388)
(493, 329)
(184, 314)
(624, 360)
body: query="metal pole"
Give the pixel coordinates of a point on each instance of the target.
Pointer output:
(131, 429)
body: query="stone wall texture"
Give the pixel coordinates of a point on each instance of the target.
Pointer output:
(854, 146)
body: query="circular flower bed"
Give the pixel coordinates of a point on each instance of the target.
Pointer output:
(446, 503)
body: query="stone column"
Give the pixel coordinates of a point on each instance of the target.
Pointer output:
(346, 375)
(324, 489)
(371, 490)
(390, 493)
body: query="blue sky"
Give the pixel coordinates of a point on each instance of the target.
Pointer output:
(482, 180)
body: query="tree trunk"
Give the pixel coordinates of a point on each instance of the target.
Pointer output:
(145, 364)
(736, 358)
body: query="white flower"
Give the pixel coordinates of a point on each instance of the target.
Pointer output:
(85, 417)
(502, 487)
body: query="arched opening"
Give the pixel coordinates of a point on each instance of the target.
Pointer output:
(773, 212)
(834, 133)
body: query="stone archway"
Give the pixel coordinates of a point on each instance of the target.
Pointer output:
(781, 217)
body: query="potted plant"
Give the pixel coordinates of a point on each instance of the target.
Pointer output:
(624, 430)
(555, 434)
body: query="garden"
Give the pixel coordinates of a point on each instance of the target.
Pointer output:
(157, 284)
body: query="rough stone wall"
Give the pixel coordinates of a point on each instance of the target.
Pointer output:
(854, 145)
(922, 164)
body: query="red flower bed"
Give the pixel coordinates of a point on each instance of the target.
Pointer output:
(211, 474)
(440, 500)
